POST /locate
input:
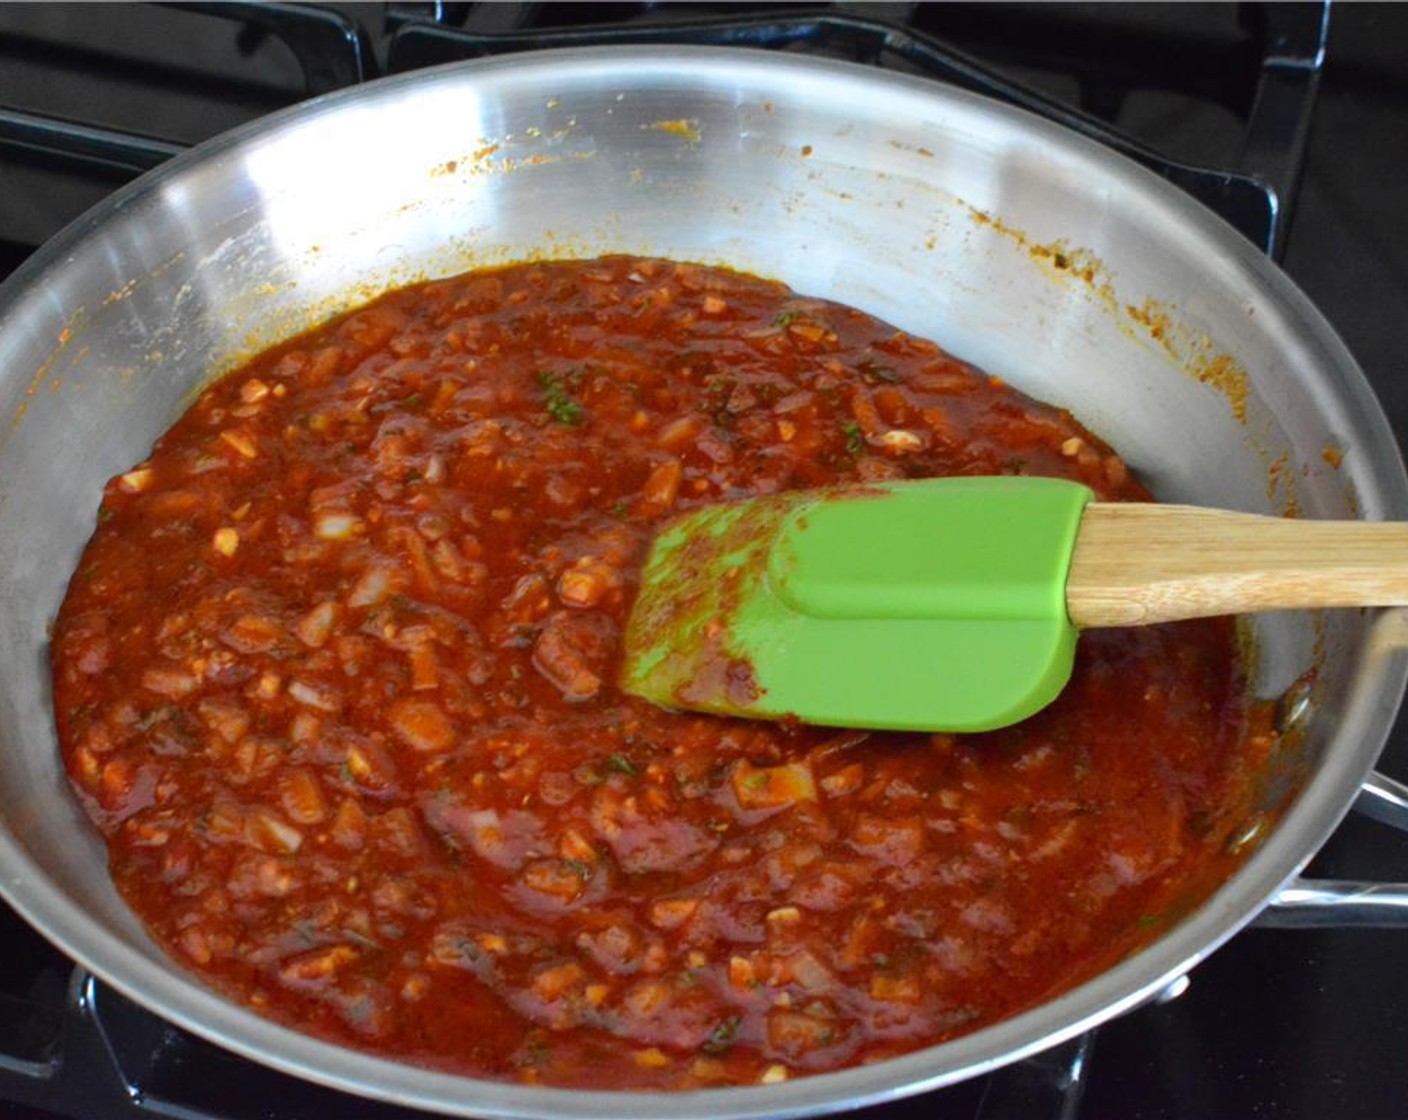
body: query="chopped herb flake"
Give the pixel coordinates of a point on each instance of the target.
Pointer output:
(722, 1036)
(579, 867)
(785, 319)
(558, 397)
(620, 764)
(854, 440)
(536, 1052)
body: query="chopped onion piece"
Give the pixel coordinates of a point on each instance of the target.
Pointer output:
(314, 628)
(585, 584)
(899, 439)
(773, 787)
(253, 391)
(373, 588)
(268, 833)
(336, 526)
(315, 696)
(241, 442)
(171, 683)
(421, 725)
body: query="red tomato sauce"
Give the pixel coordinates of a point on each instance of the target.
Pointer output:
(334, 679)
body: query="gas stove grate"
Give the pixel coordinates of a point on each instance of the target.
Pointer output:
(1287, 43)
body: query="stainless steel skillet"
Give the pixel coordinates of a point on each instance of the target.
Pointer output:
(1041, 257)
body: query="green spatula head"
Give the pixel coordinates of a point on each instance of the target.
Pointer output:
(934, 605)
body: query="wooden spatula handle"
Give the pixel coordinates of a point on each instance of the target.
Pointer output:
(1141, 563)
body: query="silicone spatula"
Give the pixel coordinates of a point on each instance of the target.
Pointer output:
(953, 604)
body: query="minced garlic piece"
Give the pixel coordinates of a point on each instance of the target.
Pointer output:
(226, 541)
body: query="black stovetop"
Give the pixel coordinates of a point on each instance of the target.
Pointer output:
(1294, 1023)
